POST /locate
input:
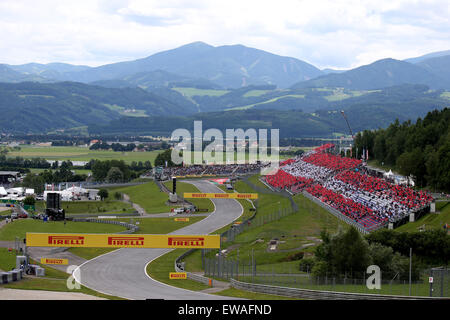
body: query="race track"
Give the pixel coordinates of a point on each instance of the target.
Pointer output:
(122, 272)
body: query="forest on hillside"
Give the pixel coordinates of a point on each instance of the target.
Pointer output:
(421, 149)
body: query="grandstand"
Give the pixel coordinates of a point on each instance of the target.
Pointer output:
(213, 170)
(345, 185)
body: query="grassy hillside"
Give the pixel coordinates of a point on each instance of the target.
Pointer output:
(148, 196)
(42, 107)
(20, 227)
(183, 187)
(430, 220)
(91, 207)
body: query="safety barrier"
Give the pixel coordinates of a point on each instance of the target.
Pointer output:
(10, 276)
(316, 294)
(131, 228)
(75, 216)
(190, 275)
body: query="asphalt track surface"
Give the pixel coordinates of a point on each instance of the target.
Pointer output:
(122, 272)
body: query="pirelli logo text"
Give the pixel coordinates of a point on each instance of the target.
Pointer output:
(54, 261)
(221, 195)
(66, 240)
(177, 275)
(186, 242)
(126, 241)
(89, 240)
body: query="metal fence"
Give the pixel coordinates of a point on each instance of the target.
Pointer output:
(290, 275)
(316, 294)
(249, 272)
(131, 228)
(439, 282)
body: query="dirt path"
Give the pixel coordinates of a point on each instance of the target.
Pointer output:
(137, 207)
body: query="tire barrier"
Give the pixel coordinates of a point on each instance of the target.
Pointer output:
(316, 294)
(76, 216)
(131, 228)
(10, 276)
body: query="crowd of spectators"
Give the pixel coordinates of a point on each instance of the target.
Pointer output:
(304, 169)
(354, 210)
(384, 190)
(338, 181)
(219, 169)
(283, 179)
(332, 161)
(382, 207)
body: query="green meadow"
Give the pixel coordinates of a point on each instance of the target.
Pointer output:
(81, 154)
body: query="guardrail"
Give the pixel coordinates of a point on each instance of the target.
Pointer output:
(316, 294)
(131, 228)
(190, 275)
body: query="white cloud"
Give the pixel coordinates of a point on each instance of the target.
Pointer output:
(326, 33)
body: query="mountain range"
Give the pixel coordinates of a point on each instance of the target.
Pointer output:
(234, 66)
(223, 83)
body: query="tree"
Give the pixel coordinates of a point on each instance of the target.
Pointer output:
(103, 194)
(35, 182)
(29, 201)
(114, 175)
(161, 159)
(345, 252)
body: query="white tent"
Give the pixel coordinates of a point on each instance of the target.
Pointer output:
(76, 190)
(389, 174)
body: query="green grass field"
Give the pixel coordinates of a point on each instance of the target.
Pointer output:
(190, 92)
(82, 154)
(77, 171)
(160, 268)
(421, 288)
(183, 187)
(92, 207)
(5, 212)
(430, 220)
(19, 228)
(7, 259)
(300, 96)
(294, 231)
(148, 196)
(255, 93)
(445, 95)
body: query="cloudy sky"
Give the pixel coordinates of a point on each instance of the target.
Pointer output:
(327, 33)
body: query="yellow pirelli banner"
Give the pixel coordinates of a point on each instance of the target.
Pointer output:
(220, 195)
(177, 275)
(181, 219)
(54, 261)
(87, 240)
